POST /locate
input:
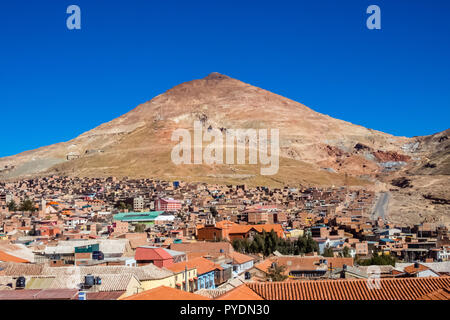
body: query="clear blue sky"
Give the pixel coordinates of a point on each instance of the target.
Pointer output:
(56, 84)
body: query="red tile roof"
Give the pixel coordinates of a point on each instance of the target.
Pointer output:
(241, 228)
(165, 293)
(239, 258)
(303, 263)
(203, 265)
(240, 293)
(106, 295)
(46, 294)
(441, 294)
(354, 289)
(412, 269)
(147, 253)
(5, 257)
(235, 228)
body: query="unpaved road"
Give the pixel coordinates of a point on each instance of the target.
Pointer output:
(381, 206)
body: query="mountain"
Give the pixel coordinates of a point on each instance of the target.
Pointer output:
(422, 189)
(315, 149)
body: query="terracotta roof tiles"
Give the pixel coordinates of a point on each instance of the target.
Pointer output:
(441, 294)
(203, 266)
(10, 258)
(165, 293)
(242, 292)
(354, 289)
(412, 268)
(239, 258)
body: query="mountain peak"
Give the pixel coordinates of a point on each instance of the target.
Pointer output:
(216, 76)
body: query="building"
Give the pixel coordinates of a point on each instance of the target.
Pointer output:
(300, 267)
(355, 289)
(206, 271)
(138, 204)
(418, 270)
(241, 262)
(167, 204)
(165, 293)
(230, 231)
(157, 256)
(138, 217)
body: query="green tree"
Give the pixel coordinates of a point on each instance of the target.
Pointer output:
(213, 211)
(237, 245)
(328, 252)
(276, 273)
(345, 252)
(122, 206)
(27, 205)
(12, 206)
(376, 259)
(306, 244)
(268, 242)
(139, 228)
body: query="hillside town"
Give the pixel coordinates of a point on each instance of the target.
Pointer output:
(144, 239)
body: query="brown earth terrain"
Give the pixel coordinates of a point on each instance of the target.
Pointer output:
(315, 149)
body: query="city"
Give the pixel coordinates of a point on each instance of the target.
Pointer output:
(138, 239)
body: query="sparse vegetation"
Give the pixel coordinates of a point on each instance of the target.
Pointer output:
(139, 228)
(27, 205)
(213, 211)
(328, 252)
(276, 273)
(12, 206)
(122, 206)
(402, 182)
(268, 242)
(377, 259)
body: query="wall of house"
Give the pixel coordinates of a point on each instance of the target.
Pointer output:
(191, 274)
(254, 272)
(427, 273)
(239, 268)
(150, 284)
(206, 281)
(134, 286)
(209, 233)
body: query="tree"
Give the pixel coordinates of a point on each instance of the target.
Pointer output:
(383, 259)
(306, 244)
(213, 211)
(345, 252)
(27, 205)
(12, 206)
(328, 252)
(237, 245)
(268, 242)
(122, 206)
(139, 228)
(276, 273)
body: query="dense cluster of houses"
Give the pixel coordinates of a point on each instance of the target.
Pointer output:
(110, 238)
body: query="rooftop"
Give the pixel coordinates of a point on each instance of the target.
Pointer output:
(354, 289)
(165, 293)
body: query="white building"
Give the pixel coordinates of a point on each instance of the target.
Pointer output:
(138, 204)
